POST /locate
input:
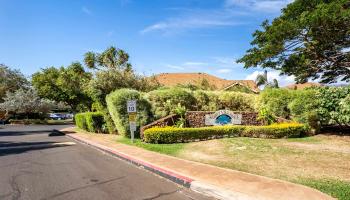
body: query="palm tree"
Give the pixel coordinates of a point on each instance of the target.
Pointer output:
(111, 58)
(261, 79)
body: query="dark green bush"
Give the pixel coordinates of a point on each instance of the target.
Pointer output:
(116, 104)
(332, 107)
(173, 134)
(165, 100)
(80, 121)
(90, 121)
(94, 122)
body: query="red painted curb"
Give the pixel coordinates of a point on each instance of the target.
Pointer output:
(173, 176)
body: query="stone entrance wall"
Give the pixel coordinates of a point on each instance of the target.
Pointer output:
(197, 118)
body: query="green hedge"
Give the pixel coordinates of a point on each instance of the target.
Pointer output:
(174, 135)
(275, 131)
(90, 121)
(164, 100)
(94, 122)
(116, 104)
(80, 121)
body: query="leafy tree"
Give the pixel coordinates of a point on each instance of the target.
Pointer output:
(113, 72)
(25, 101)
(310, 39)
(261, 79)
(66, 85)
(11, 80)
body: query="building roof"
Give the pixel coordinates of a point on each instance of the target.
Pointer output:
(302, 85)
(173, 79)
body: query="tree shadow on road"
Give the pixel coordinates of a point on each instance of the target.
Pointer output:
(9, 147)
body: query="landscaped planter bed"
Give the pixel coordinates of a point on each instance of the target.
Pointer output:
(175, 135)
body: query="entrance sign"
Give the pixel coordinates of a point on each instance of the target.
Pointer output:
(131, 108)
(223, 117)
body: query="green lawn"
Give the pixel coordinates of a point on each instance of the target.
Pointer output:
(169, 149)
(335, 188)
(321, 162)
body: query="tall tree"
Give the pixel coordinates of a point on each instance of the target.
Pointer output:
(111, 58)
(66, 85)
(262, 79)
(113, 72)
(311, 39)
(11, 80)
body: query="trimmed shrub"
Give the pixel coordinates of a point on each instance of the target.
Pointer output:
(174, 135)
(240, 88)
(116, 104)
(80, 121)
(276, 101)
(332, 105)
(212, 101)
(202, 100)
(287, 130)
(237, 101)
(165, 100)
(302, 103)
(90, 121)
(94, 122)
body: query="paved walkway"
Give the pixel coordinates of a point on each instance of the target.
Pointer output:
(238, 185)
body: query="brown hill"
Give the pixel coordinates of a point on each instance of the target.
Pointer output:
(302, 85)
(173, 79)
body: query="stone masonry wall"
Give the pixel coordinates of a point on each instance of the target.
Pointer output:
(197, 118)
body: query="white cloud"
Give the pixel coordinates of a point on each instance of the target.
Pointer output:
(282, 80)
(224, 60)
(86, 10)
(195, 63)
(175, 67)
(227, 62)
(261, 6)
(226, 15)
(193, 22)
(223, 71)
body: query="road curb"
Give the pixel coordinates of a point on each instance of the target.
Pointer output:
(172, 176)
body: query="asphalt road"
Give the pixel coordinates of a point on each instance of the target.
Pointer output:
(37, 163)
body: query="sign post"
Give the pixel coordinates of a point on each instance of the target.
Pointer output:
(131, 108)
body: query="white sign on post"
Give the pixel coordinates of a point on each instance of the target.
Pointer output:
(131, 108)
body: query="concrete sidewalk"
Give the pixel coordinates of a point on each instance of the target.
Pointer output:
(214, 181)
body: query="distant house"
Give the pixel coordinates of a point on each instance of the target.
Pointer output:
(303, 85)
(175, 79)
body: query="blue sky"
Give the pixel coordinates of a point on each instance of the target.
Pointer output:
(160, 36)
